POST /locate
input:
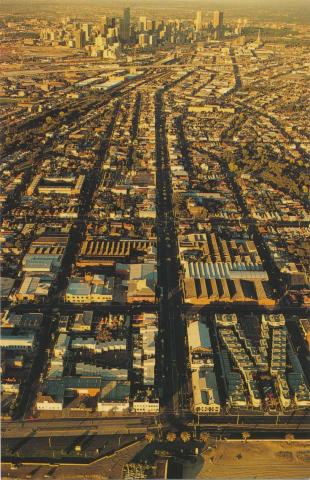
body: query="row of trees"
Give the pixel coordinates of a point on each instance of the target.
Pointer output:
(203, 437)
(172, 436)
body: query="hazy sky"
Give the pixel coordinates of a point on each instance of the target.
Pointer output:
(205, 3)
(282, 10)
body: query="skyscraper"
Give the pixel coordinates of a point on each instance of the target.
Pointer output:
(126, 25)
(80, 39)
(259, 42)
(143, 40)
(143, 24)
(199, 20)
(218, 23)
(86, 27)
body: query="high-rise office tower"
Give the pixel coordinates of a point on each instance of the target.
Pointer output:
(80, 39)
(199, 21)
(143, 24)
(86, 27)
(259, 42)
(218, 18)
(218, 24)
(149, 25)
(143, 40)
(125, 32)
(153, 40)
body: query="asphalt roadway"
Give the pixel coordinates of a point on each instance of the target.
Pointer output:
(67, 426)
(296, 422)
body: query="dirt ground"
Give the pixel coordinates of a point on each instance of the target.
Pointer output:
(253, 459)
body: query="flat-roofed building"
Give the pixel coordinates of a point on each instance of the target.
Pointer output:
(198, 336)
(299, 389)
(55, 390)
(146, 402)
(6, 287)
(305, 328)
(61, 346)
(205, 392)
(80, 291)
(83, 321)
(91, 370)
(114, 397)
(62, 185)
(33, 287)
(25, 343)
(226, 319)
(25, 321)
(142, 290)
(37, 263)
(199, 344)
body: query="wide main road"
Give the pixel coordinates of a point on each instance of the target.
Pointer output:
(69, 427)
(171, 322)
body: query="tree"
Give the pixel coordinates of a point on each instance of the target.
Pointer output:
(245, 436)
(232, 167)
(171, 436)
(204, 437)
(289, 437)
(150, 437)
(185, 437)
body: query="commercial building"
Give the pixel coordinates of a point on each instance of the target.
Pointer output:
(199, 344)
(205, 392)
(205, 395)
(42, 263)
(80, 39)
(199, 21)
(24, 343)
(34, 287)
(219, 270)
(80, 291)
(83, 322)
(114, 397)
(125, 27)
(62, 185)
(218, 24)
(145, 403)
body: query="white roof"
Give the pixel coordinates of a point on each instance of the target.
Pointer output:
(198, 335)
(17, 341)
